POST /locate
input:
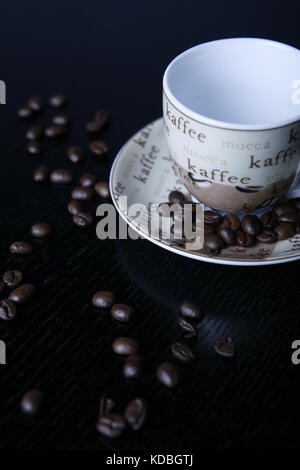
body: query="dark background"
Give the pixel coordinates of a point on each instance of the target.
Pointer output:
(112, 54)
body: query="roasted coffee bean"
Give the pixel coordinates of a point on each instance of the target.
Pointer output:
(111, 425)
(87, 180)
(176, 197)
(22, 294)
(41, 230)
(61, 176)
(182, 352)
(55, 132)
(93, 127)
(82, 194)
(290, 217)
(102, 189)
(228, 235)
(269, 220)
(34, 148)
(231, 221)
(284, 231)
(122, 312)
(167, 374)
(24, 113)
(103, 299)
(75, 154)
(244, 240)
(191, 310)
(58, 100)
(98, 148)
(225, 347)
(296, 202)
(12, 278)
(102, 117)
(34, 133)
(125, 346)
(20, 248)
(74, 207)
(135, 413)
(2, 286)
(35, 104)
(106, 405)
(83, 219)
(8, 309)
(213, 241)
(267, 236)
(211, 217)
(41, 174)
(284, 208)
(189, 330)
(132, 368)
(32, 402)
(61, 120)
(251, 225)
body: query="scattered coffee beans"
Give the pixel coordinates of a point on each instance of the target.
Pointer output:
(87, 180)
(267, 236)
(231, 221)
(24, 113)
(12, 278)
(58, 100)
(269, 220)
(103, 299)
(244, 240)
(290, 217)
(35, 104)
(55, 132)
(106, 405)
(83, 219)
(191, 311)
(122, 312)
(189, 330)
(228, 235)
(61, 176)
(82, 193)
(176, 197)
(20, 248)
(133, 365)
(125, 346)
(167, 374)
(93, 127)
(61, 120)
(135, 413)
(225, 347)
(213, 241)
(74, 207)
(251, 225)
(212, 217)
(75, 154)
(284, 231)
(102, 117)
(41, 230)
(22, 294)
(98, 148)
(8, 309)
(41, 174)
(111, 425)
(102, 189)
(34, 147)
(182, 352)
(34, 133)
(32, 402)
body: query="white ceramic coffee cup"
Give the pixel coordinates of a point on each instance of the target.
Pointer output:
(232, 118)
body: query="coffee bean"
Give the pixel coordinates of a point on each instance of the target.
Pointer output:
(167, 374)
(290, 217)
(102, 189)
(35, 104)
(93, 127)
(12, 278)
(41, 230)
(267, 236)
(132, 368)
(269, 220)
(191, 310)
(284, 231)
(74, 207)
(56, 132)
(22, 294)
(75, 154)
(34, 133)
(61, 120)
(106, 405)
(103, 299)
(32, 402)
(83, 219)
(111, 425)
(98, 148)
(231, 221)
(8, 309)
(182, 352)
(228, 235)
(225, 347)
(34, 148)
(2, 286)
(244, 240)
(102, 117)
(284, 208)
(82, 194)
(61, 176)
(122, 312)
(190, 331)
(176, 197)
(211, 217)
(251, 225)
(213, 241)
(58, 100)
(125, 346)
(20, 248)
(87, 180)
(41, 174)
(135, 413)
(24, 113)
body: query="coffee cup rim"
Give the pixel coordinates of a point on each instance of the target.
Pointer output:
(205, 120)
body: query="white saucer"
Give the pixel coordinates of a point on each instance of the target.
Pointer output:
(143, 172)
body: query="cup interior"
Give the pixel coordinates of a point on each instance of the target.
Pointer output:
(237, 83)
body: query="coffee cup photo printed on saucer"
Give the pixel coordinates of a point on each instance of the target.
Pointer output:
(144, 172)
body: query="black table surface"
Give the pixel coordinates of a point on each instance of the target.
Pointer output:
(112, 54)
